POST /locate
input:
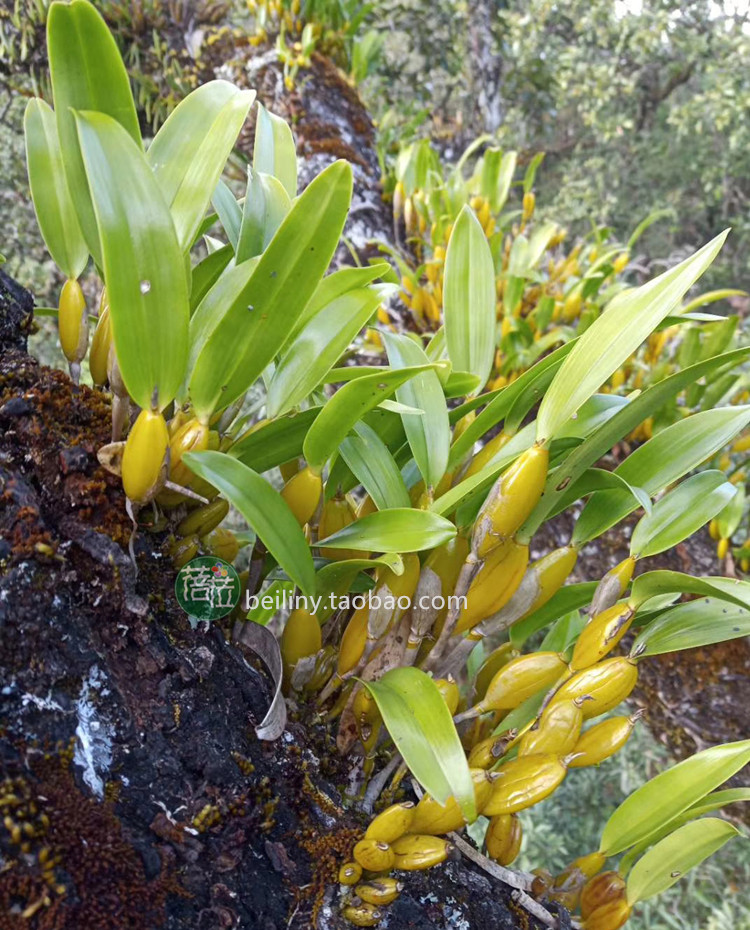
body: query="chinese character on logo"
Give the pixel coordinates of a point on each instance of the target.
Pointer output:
(207, 588)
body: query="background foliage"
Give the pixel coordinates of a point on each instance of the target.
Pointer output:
(638, 106)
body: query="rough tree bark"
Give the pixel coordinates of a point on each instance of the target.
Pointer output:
(133, 791)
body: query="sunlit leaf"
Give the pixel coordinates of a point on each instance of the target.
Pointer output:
(625, 323)
(55, 212)
(346, 407)
(618, 426)
(266, 205)
(672, 453)
(87, 73)
(668, 794)
(265, 510)
(275, 442)
(697, 623)
(680, 513)
(190, 150)
(144, 269)
(275, 152)
(395, 530)
(671, 858)
(429, 435)
(420, 724)
(257, 324)
(318, 346)
(469, 294)
(370, 460)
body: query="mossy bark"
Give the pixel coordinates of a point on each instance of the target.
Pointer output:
(136, 792)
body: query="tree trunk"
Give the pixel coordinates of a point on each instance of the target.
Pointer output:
(133, 789)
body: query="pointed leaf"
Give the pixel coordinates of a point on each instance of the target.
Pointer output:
(670, 859)
(368, 457)
(275, 152)
(610, 432)
(688, 626)
(275, 442)
(307, 360)
(672, 453)
(264, 509)
(626, 322)
(469, 298)
(399, 529)
(670, 793)
(420, 724)
(429, 436)
(229, 212)
(144, 269)
(258, 323)
(55, 212)
(681, 512)
(266, 205)
(206, 273)
(654, 584)
(346, 407)
(336, 285)
(87, 73)
(190, 150)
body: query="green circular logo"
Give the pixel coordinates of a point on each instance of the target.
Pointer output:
(208, 588)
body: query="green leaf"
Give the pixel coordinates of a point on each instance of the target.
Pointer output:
(670, 859)
(399, 529)
(712, 802)
(274, 152)
(338, 576)
(87, 73)
(654, 584)
(469, 298)
(226, 292)
(672, 453)
(476, 484)
(697, 623)
(258, 323)
(564, 633)
(229, 212)
(307, 360)
(731, 515)
(667, 795)
(626, 321)
(420, 724)
(275, 442)
(710, 297)
(277, 592)
(144, 269)
(429, 436)
(570, 597)
(368, 457)
(523, 714)
(346, 407)
(265, 510)
(505, 176)
(625, 419)
(336, 285)
(266, 205)
(206, 273)
(531, 385)
(680, 513)
(55, 211)
(598, 479)
(190, 150)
